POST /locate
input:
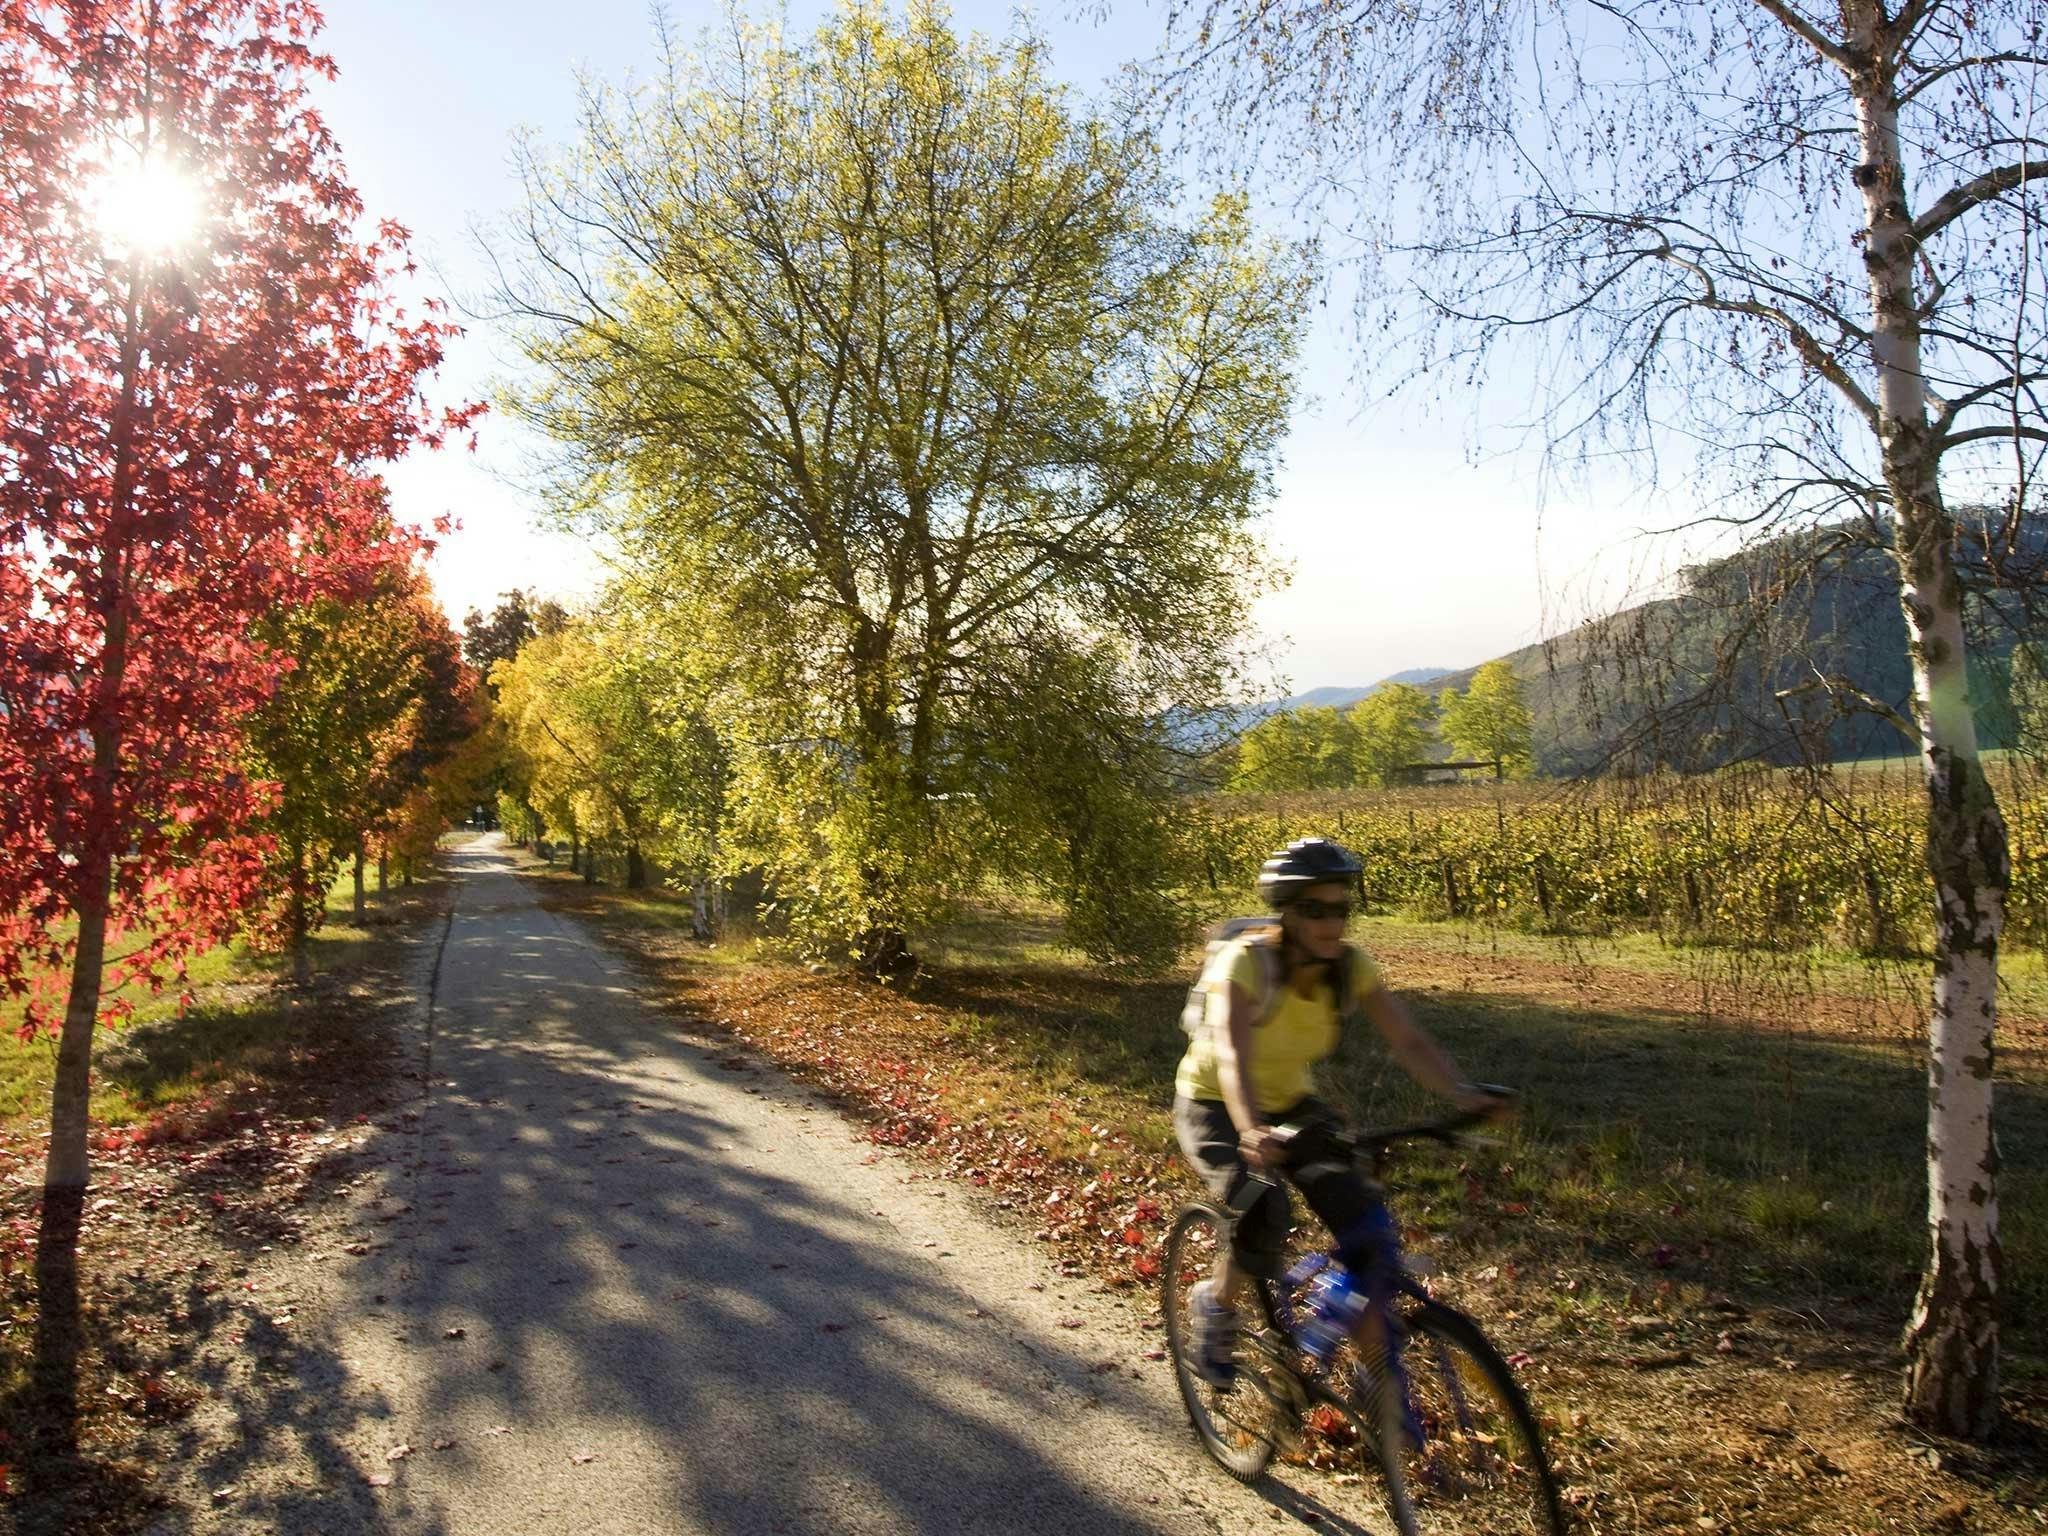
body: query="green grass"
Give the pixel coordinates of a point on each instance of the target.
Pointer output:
(162, 1057)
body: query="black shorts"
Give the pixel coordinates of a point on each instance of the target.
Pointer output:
(1326, 1174)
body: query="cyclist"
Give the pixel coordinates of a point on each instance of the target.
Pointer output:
(1276, 1001)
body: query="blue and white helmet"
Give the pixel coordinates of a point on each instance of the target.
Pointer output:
(1311, 861)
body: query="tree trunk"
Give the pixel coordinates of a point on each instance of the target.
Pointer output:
(360, 856)
(883, 951)
(66, 1167)
(302, 963)
(700, 908)
(66, 1174)
(1951, 1340)
(575, 852)
(383, 870)
(636, 868)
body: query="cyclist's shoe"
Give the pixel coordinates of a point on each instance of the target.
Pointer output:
(1213, 1336)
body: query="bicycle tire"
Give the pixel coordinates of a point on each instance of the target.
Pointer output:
(1378, 1413)
(1229, 1424)
(1482, 1465)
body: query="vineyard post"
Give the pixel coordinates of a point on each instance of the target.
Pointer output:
(1411, 829)
(1451, 889)
(1880, 929)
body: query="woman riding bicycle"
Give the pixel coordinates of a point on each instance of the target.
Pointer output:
(1276, 1001)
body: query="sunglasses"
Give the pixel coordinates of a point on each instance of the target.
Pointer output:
(1314, 910)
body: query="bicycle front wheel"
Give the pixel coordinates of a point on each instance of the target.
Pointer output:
(1481, 1465)
(1235, 1425)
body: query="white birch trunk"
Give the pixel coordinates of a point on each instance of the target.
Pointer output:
(1952, 1339)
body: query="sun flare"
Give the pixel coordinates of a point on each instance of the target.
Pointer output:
(148, 210)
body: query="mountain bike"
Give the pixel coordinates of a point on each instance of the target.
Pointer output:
(1417, 1388)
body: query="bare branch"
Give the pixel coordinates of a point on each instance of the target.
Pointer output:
(1973, 62)
(1835, 53)
(2008, 433)
(1846, 695)
(1957, 201)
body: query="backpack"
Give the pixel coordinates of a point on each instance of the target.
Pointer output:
(1264, 933)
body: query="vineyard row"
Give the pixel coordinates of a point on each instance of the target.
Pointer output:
(1774, 870)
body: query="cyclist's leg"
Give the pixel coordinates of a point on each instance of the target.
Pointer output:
(1353, 1207)
(1208, 1139)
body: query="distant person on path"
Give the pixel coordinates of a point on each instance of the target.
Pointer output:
(1276, 1000)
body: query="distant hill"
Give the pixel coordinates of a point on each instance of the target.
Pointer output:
(1343, 698)
(1692, 681)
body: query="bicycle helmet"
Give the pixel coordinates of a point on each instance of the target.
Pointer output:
(1310, 861)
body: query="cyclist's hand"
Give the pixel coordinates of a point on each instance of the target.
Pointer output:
(1263, 1147)
(1482, 1099)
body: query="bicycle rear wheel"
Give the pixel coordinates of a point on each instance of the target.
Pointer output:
(1235, 1426)
(1481, 1466)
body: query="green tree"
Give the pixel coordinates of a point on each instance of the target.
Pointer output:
(1392, 726)
(518, 617)
(607, 743)
(1293, 750)
(1490, 720)
(886, 368)
(349, 729)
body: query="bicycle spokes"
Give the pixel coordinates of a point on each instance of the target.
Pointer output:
(1479, 1450)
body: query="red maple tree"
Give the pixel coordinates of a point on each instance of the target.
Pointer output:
(190, 418)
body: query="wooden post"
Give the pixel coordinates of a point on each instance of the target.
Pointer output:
(1411, 829)
(1451, 890)
(1880, 930)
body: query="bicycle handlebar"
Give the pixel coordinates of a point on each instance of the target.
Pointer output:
(1446, 1129)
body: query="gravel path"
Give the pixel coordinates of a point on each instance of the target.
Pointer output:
(619, 1279)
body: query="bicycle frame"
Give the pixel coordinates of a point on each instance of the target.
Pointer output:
(1383, 1293)
(1385, 1284)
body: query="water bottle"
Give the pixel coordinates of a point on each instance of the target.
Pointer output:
(1335, 1305)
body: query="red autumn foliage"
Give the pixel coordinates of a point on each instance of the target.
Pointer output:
(188, 437)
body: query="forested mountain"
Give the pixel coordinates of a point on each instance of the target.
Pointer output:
(1693, 680)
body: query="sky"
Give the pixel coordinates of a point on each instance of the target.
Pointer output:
(1415, 542)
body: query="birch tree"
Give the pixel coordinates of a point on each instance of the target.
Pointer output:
(1804, 236)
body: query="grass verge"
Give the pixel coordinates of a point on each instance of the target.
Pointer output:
(211, 1127)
